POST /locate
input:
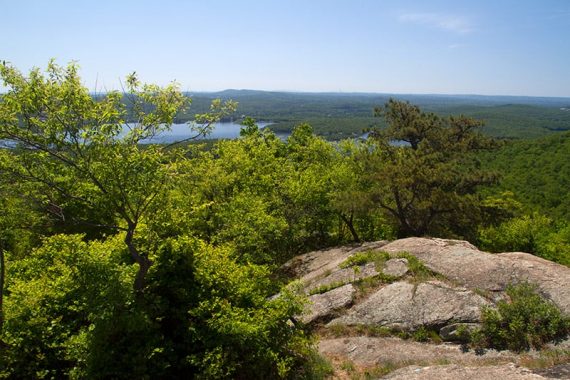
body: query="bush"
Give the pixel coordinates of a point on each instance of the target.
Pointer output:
(55, 298)
(535, 234)
(71, 314)
(212, 317)
(516, 234)
(525, 321)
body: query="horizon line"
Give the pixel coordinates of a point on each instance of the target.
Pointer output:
(340, 92)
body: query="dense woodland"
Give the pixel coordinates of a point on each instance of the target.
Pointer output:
(336, 116)
(129, 260)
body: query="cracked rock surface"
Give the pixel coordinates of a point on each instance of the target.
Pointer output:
(322, 305)
(462, 262)
(356, 300)
(407, 306)
(457, 372)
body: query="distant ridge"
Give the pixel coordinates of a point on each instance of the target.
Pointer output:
(472, 99)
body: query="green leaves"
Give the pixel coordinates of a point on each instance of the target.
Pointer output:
(219, 316)
(533, 233)
(428, 187)
(204, 123)
(56, 295)
(197, 307)
(524, 321)
(152, 108)
(71, 146)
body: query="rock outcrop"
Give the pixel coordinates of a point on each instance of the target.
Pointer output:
(318, 264)
(371, 351)
(407, 306)
(462, 262)
(322, 305)
(458, 280)
(456, 372)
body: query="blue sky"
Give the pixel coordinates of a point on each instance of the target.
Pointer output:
(494, 47)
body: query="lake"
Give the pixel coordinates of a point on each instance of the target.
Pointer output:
(225, 130)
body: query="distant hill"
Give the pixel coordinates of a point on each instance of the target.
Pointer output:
(420, 99)
(341, 115)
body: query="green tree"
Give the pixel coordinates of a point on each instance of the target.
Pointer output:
(535, 234)
(86, 153)
(425, 174)
(306, 191)
(198, 307)
(269, 198)
(20, 223)
(71, 313)
(230, 194)
(217, 317)
(350, 193)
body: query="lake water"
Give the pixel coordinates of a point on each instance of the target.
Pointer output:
(226, 130)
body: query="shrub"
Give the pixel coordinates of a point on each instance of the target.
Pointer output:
(525, 321)
(55, 297)
(71, 314)
(535, 234)
(217, 320)
(424, 334)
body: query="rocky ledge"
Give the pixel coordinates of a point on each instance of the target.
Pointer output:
(420, 283)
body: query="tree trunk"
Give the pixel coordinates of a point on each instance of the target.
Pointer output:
(349, 223)
(143, 261)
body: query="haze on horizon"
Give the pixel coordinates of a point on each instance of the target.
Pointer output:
(484, 47)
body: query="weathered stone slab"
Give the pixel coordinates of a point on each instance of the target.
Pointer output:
(457, 372)
(344, 276)
(314, 265)
(395, 267)
(322, 305)
(462, 262)
(407, 306)
(370, 351)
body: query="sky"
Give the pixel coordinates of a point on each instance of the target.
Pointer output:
(488, 47)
